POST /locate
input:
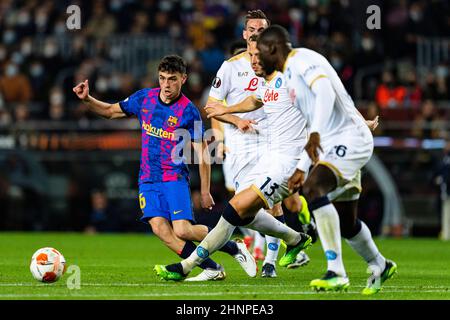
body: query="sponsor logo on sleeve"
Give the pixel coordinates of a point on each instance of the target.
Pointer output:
(216, 82)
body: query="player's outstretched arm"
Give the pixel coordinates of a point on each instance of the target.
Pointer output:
(100, 108)
(201, 149)
(244, 125)
(249, 104)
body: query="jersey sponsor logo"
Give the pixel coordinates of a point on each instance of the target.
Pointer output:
(242, 74)
(270, 95)
(157, 132)
(216, 82)
(252, 85)
(172, 121)
(177, 212)
(278, 83)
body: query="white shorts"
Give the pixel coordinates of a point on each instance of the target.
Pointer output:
(245, 170)
(345, 155)
(228, 174)
(348, 192)
(272, 183)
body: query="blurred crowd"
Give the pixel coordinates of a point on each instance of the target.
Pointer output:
(41, 60)
(38, 69)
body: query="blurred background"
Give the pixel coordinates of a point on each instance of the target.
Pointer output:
(64, 169)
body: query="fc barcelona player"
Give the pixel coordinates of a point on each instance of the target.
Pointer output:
(164, 193)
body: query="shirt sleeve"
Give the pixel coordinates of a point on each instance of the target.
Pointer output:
(133, 104)
(221, 83)
(195, 125)
(311, 72)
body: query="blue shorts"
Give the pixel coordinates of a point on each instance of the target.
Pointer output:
(170, 200)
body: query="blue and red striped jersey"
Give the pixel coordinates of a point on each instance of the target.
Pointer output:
(163, 139)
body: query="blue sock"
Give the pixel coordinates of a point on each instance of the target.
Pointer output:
(188, 248)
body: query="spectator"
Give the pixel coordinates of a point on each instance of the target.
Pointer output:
(428, 124)
(21, 113)
(388, 95)
(56, 104)
(103, 217)
(102, 24)
(15, 86)
(413, 94)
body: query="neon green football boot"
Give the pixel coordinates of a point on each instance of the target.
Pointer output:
(330, 282)
(292, 251)
(167, 275)
(376, 279)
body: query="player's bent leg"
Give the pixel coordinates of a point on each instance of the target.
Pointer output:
(185, 230)
(217, 238)
(359, 237)
(298, 204)
(163, 230)
(273, 246)
(318, 184)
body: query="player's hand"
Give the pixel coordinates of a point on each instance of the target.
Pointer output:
(214, 109)
(207, 201)
(245, 125)
(313, 146)
(372, 124)
(296, 181)
(82, 90)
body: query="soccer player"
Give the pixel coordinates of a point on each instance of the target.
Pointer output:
(235, 81)
(268, 185)
(164, 194)
(339, 145)
(281, 115)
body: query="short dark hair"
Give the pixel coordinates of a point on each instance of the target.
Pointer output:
(274, 34)
(255, 14)
(172, 64)
(238, 47)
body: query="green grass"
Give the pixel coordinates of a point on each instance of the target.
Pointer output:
(120, 267)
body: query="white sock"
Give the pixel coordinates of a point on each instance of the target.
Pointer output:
(267, 224)
(259, 241)
(273, 247)
(214, 240)
(327, 221)
(246, 232)
(364, 245)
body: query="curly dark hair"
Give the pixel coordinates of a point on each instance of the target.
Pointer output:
(172, 64)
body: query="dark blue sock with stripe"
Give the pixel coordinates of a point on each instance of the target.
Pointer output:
(190, 247)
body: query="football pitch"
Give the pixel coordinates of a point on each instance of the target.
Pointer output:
(119, 266)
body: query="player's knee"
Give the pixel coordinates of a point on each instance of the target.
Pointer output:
(292, 205)
(160, 230)
(184, 233)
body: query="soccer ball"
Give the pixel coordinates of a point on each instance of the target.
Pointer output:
(47, 265)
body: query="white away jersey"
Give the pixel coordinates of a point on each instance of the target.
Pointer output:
(286, 124)
(234, 82)
(302, 68)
